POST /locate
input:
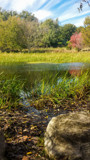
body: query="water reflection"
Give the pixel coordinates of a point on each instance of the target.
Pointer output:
(75, 72)
(34, 73)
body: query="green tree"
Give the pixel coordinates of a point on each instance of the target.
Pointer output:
(4, 15)
(79, 29)
(86, 31)
(66, 32)
(87, 21)
(27, 16)
(32, 34)
(50, 33)
(12, 35)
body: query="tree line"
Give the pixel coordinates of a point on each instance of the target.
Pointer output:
(19, 31)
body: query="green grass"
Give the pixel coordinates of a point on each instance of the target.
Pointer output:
(53, 91)
(10, 90)
(64, 89)
(22, 58)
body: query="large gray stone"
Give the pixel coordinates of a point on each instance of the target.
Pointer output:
(2, 146)
(68, 135)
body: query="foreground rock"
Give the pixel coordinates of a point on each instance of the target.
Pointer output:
(68, 136)
(2, 146)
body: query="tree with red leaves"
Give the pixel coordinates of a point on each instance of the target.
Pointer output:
(76, 41)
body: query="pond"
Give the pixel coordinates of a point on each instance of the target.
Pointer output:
(45, 80)
(35, 72)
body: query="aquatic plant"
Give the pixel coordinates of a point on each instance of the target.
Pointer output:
(75, 87)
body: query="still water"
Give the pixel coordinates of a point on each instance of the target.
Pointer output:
(34, 73)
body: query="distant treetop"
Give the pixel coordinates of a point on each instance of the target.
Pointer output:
(5, 14)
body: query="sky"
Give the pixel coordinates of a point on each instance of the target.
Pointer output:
(65, 10)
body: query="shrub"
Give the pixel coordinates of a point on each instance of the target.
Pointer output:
(76, 41)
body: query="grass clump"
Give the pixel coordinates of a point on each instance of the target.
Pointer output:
(74, 87)
(65, 88)
(10, 90)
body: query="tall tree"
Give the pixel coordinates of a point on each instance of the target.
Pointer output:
(66, 32)
(87, 21)
(27, 16)
(4, 15)
(12, 35)
(79, 29)
(50, 33)
(32, 34)
(86, 31)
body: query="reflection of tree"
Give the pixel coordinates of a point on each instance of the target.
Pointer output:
(75, 72)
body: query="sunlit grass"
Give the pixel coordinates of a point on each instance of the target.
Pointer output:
(22, 58)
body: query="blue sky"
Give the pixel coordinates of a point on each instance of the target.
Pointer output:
(65, 10)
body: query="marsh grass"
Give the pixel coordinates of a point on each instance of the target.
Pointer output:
(44, 92)
(49, 57)
(10, 90)
(73, 87)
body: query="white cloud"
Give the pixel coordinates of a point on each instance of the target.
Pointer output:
(66, 10)
(38, 4)
(76, 22)
(51, 3)
(79, 22)
(66, 4)
(72, 12)
(24, 4)
(4, 3)
(20, 5)
(42, 14)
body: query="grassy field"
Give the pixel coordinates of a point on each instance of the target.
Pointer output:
(57, 57)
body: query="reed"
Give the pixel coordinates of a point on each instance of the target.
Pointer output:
(63, 89)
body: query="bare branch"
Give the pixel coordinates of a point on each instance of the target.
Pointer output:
(82, 4)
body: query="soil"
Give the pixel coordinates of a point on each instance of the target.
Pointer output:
(24, 128)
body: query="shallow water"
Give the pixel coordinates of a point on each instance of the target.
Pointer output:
(34, 73)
